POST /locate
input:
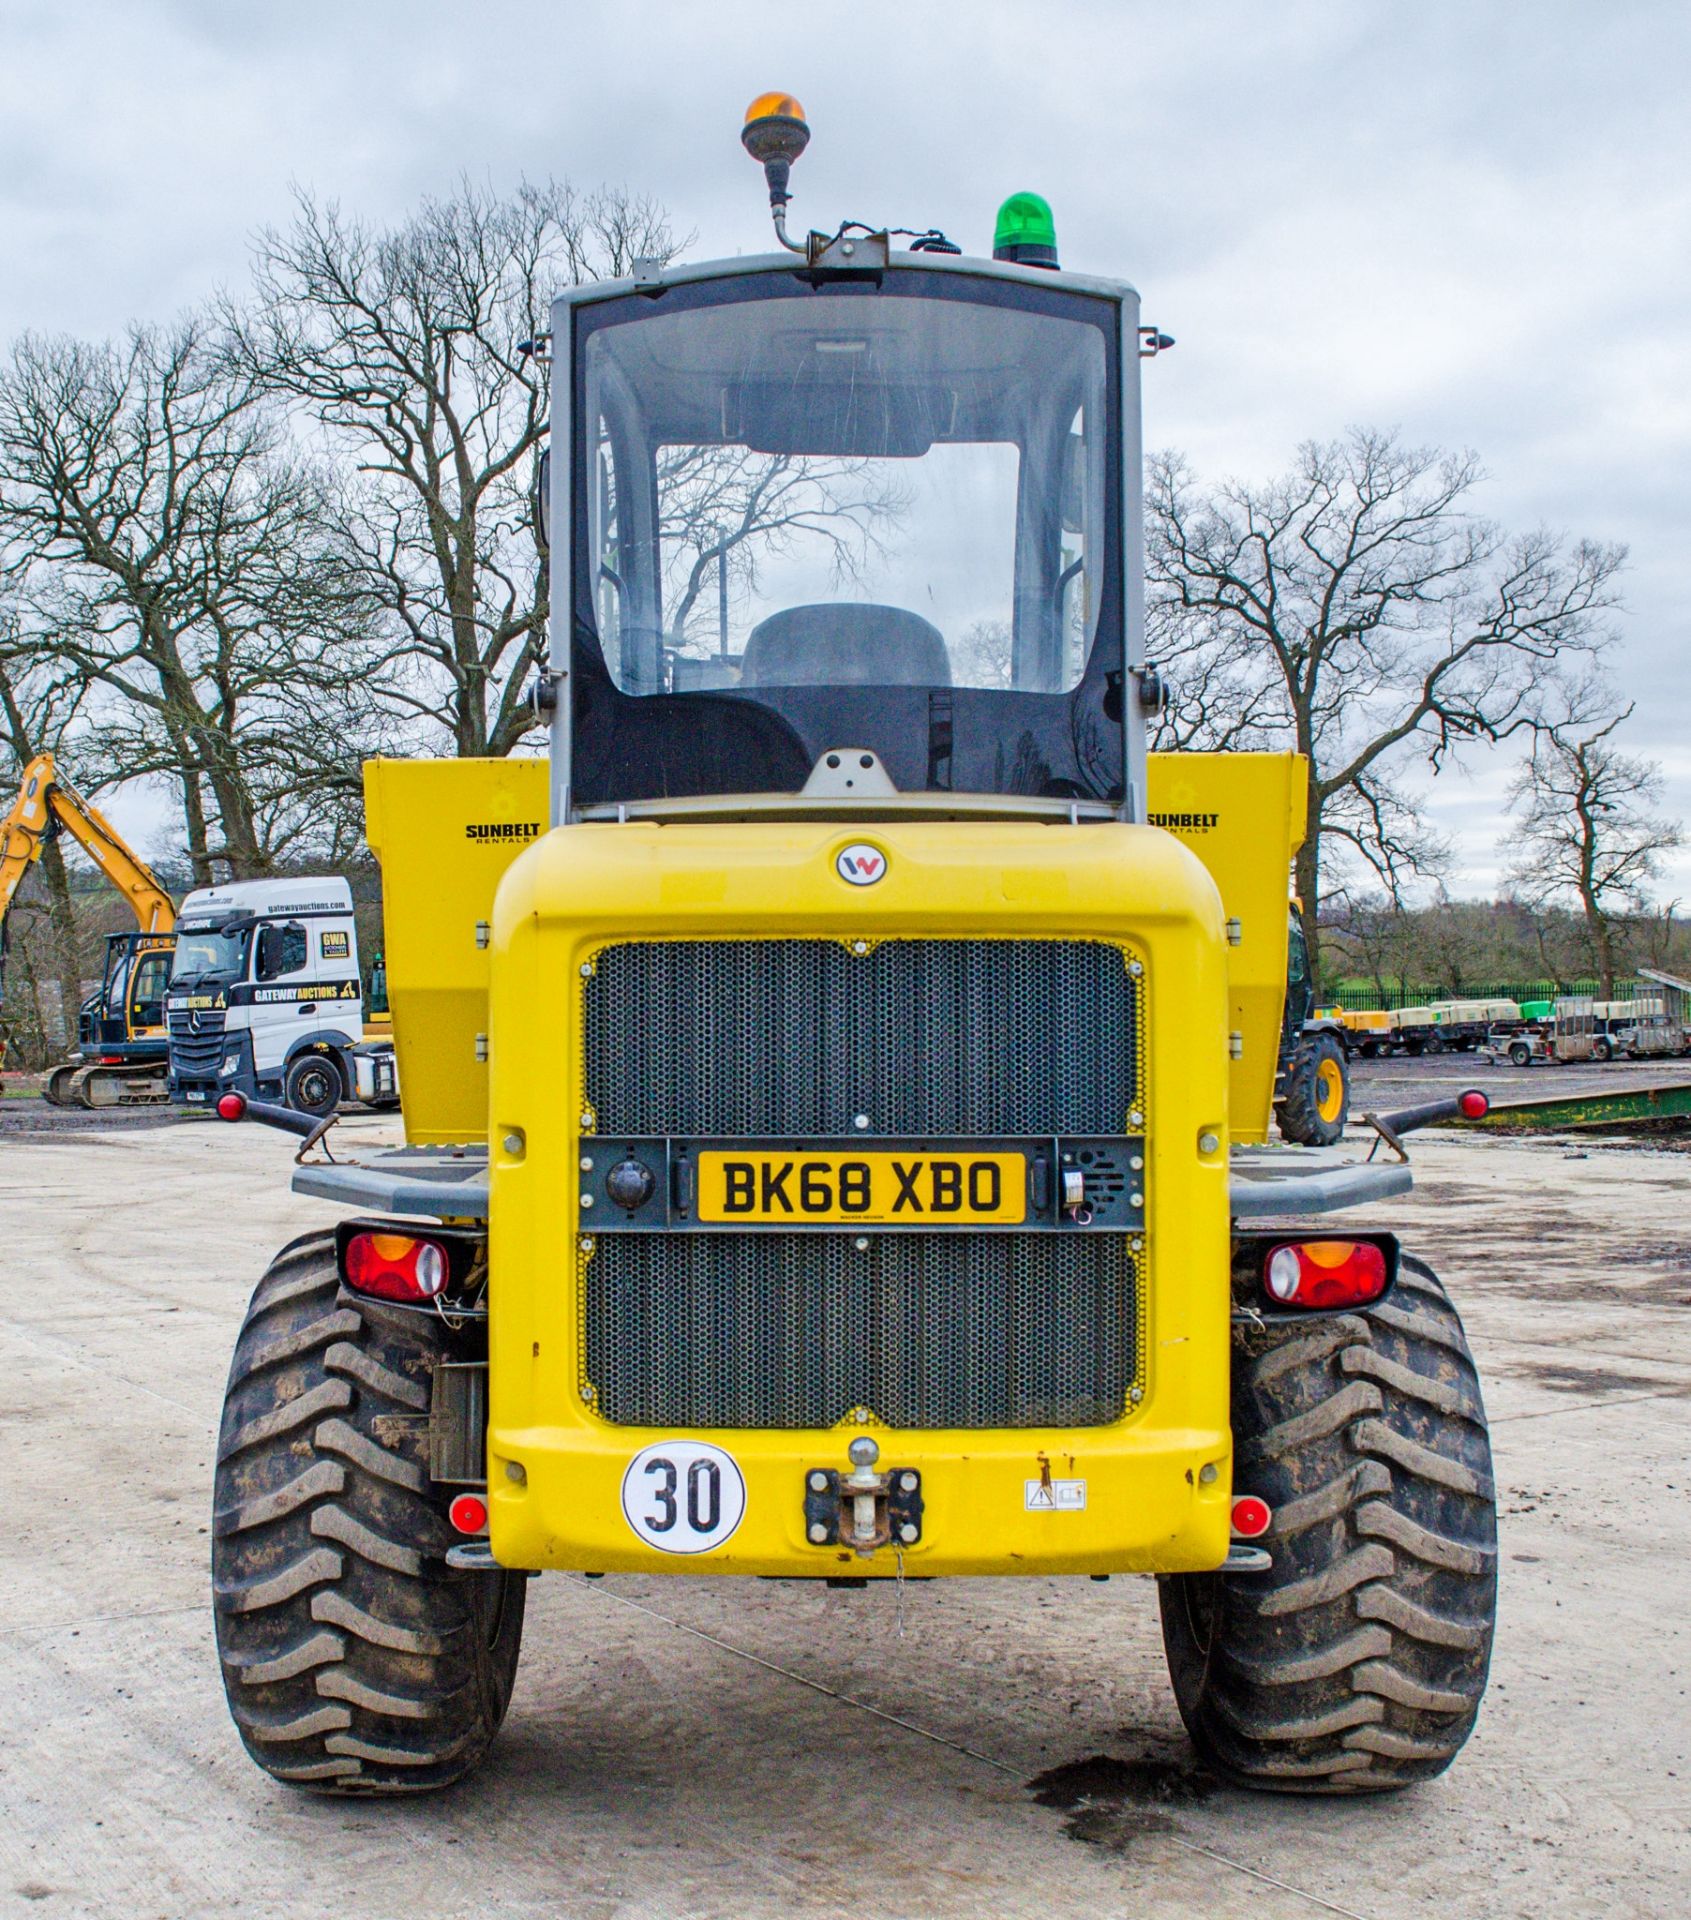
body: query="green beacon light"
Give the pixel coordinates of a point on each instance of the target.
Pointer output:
(1026, 233)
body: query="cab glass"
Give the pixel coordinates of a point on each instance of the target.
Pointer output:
(814, 515)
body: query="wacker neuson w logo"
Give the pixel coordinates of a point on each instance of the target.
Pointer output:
(861, 864)
(502, 830)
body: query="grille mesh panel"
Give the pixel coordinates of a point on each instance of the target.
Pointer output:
(196, 1053)
(927, 1037)
(950, 1039)
(925, 1330)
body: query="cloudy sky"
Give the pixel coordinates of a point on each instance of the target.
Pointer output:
(1470, 221)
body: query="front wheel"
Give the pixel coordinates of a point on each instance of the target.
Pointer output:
(1357, 1663)
(1520, 1054)
(1602, 1050)
(313, 1085)
(1314, 1099)
(354, 1659)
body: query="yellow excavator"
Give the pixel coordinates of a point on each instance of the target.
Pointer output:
(122, 1044)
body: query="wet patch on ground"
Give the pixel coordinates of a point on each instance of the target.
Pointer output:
(35, 1121)
(1664, 1290)
(1653, 1253)
(1560, 1377)
(1462, 1193)
(1110, 1802)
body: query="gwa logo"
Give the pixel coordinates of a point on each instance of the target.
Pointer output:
(860, 864)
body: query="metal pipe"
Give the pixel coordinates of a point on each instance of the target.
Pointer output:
(1407, 1119)
(268, 1113)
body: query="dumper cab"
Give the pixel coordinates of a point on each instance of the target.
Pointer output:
(826, 1083)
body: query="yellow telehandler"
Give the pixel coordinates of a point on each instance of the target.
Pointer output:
(837, 1117)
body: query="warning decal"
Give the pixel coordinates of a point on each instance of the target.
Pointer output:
(1055, 1496)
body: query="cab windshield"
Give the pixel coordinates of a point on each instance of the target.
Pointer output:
(826, 516)
(210, 950)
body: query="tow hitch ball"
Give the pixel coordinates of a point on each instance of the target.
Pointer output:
(863, 1509)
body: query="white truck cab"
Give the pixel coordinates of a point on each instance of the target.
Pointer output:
(266, 999)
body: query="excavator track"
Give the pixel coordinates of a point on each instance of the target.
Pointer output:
(91, 1087)
(55, 1089)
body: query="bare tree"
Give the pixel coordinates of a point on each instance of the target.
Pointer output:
(1371, 935)
(726, 512)
(984, 655)
(175, 554)
(1219, 699)
(37, 706)
(1357, 610)
(1589, 827)
(413, 350)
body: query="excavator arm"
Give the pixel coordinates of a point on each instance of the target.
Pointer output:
(44, 802)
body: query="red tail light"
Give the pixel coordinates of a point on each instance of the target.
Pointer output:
(468, 1513)
(1250, 1516)
(1325, 1273)
(1474, 1104)
(395, 1266)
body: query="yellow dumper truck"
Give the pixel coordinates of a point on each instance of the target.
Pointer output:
(837, 1115)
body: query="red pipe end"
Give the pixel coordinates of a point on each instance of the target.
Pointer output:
(1251, 1517)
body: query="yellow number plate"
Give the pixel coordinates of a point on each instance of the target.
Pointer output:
(902, 1189)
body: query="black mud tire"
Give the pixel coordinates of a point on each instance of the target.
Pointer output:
(1602, 1049)
(314, 1084)
(1520, 1054)
(354, 1659)
(1314, 1101)
(1359, 1662)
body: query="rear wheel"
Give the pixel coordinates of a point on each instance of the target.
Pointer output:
(1602, 1049)
(1314, 1099)
(1359, 1661)
(1520, 1054)
(354, 1659)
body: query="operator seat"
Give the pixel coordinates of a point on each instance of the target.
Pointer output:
(845, 643)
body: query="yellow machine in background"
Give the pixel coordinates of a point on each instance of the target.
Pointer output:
(836, 1079)
(123, 1042)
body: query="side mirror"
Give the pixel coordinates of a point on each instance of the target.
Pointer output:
(269, 954)
(281, 949)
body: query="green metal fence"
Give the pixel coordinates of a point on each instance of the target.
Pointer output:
(1353, 995)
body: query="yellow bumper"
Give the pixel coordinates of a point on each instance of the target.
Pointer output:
(990, 1502)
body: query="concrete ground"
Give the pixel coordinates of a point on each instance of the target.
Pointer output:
(696, 1747)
